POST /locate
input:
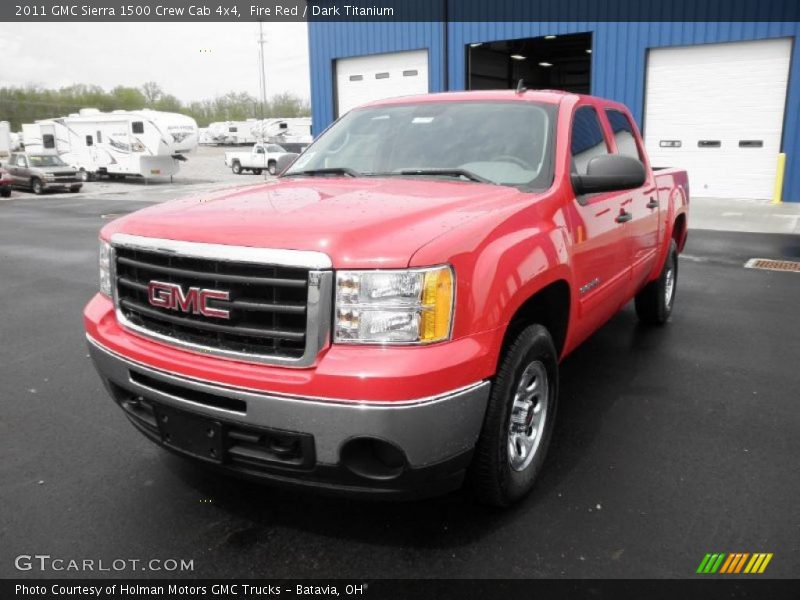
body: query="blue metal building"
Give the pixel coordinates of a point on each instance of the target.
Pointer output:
(630, 62)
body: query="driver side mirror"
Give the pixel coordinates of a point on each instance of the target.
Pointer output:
(609, 173)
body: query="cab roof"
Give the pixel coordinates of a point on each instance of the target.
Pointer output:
(545, 96)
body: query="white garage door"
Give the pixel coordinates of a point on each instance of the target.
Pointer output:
(378, 76)
(717, 111)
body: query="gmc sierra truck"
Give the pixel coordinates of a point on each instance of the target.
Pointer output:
(388, 316)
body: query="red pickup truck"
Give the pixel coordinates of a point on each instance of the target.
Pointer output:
(388, 316)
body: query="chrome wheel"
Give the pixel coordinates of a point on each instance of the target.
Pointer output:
(669, 285)
(528, 414)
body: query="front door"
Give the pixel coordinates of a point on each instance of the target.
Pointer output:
(598, 224)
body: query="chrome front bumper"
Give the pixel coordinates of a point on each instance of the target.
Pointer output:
(428, 431)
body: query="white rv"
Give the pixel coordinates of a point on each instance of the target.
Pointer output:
(293, 134)
(5, 141)
(144, 143)
(235, 133)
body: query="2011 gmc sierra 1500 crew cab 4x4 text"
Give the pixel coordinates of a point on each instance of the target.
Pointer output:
(389, 315)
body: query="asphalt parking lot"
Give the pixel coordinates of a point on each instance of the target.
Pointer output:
(670, 443)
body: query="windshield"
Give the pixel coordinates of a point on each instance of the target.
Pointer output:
(507, 143)
(46, 161)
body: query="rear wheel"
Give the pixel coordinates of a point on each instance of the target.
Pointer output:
(654, 303)
(5, 192)
(37, 186)
(272, 167)
(519, 420)
(236, 167)
(83, 175)
(75, 188)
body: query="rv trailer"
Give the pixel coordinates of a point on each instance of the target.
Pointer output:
(5, 141)
(145, 143)
(233, 133)
(293, 134)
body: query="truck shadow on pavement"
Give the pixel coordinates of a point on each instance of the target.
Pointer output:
(592, 379)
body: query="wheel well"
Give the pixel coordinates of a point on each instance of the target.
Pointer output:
(679, 232)
(549, 307)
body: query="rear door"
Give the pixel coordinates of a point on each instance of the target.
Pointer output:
(641, 203)
(601, 250)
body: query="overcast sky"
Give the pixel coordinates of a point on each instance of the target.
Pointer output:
(192, 61)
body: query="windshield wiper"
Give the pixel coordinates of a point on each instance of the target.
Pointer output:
(454, 172)
(326, 171)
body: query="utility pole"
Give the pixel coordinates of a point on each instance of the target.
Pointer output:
(262, 75)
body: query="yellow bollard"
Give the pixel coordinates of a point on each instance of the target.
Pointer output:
(777, 193)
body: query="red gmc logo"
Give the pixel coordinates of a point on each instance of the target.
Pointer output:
(194, 300)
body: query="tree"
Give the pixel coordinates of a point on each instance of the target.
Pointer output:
(152, 92)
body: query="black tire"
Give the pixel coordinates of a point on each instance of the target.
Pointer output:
(272, 167)
(75, 189)
(5, 192)
(257, 171)
(654, 303)
(236, 167)
(36, 186)
(491, 476)
(84, 175)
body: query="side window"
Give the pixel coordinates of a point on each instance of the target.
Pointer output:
(137, 127)
(21, 162)
(89, 141)
(48, 140)
(587, 140)
(233, 129)
(259, 149)
(623, 134)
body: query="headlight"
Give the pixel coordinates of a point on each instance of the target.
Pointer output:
(413, 306)
(105, 268)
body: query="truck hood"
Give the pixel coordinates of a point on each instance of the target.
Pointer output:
(361, 223)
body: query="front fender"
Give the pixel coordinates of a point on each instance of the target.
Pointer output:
(498, 270)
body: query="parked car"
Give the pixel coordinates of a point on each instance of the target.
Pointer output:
(260, 157)
(5, 184)
(41, 172)
(389, 315)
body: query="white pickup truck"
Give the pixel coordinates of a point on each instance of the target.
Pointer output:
(261, 156)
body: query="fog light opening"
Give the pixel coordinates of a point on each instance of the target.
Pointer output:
(372, 458)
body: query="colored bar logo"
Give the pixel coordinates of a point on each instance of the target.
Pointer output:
(734, 563)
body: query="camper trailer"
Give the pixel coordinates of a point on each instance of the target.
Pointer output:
(293, 134)
(5, 141)
(145, 143)
(233, 133)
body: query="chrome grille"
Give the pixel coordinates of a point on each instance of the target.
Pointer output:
(277, 312)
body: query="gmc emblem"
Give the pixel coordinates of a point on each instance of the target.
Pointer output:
(194, 300)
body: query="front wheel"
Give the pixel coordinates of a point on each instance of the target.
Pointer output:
(519, 420)
(37, 186)
(654, 303)
(236, 168)
(272, 167)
